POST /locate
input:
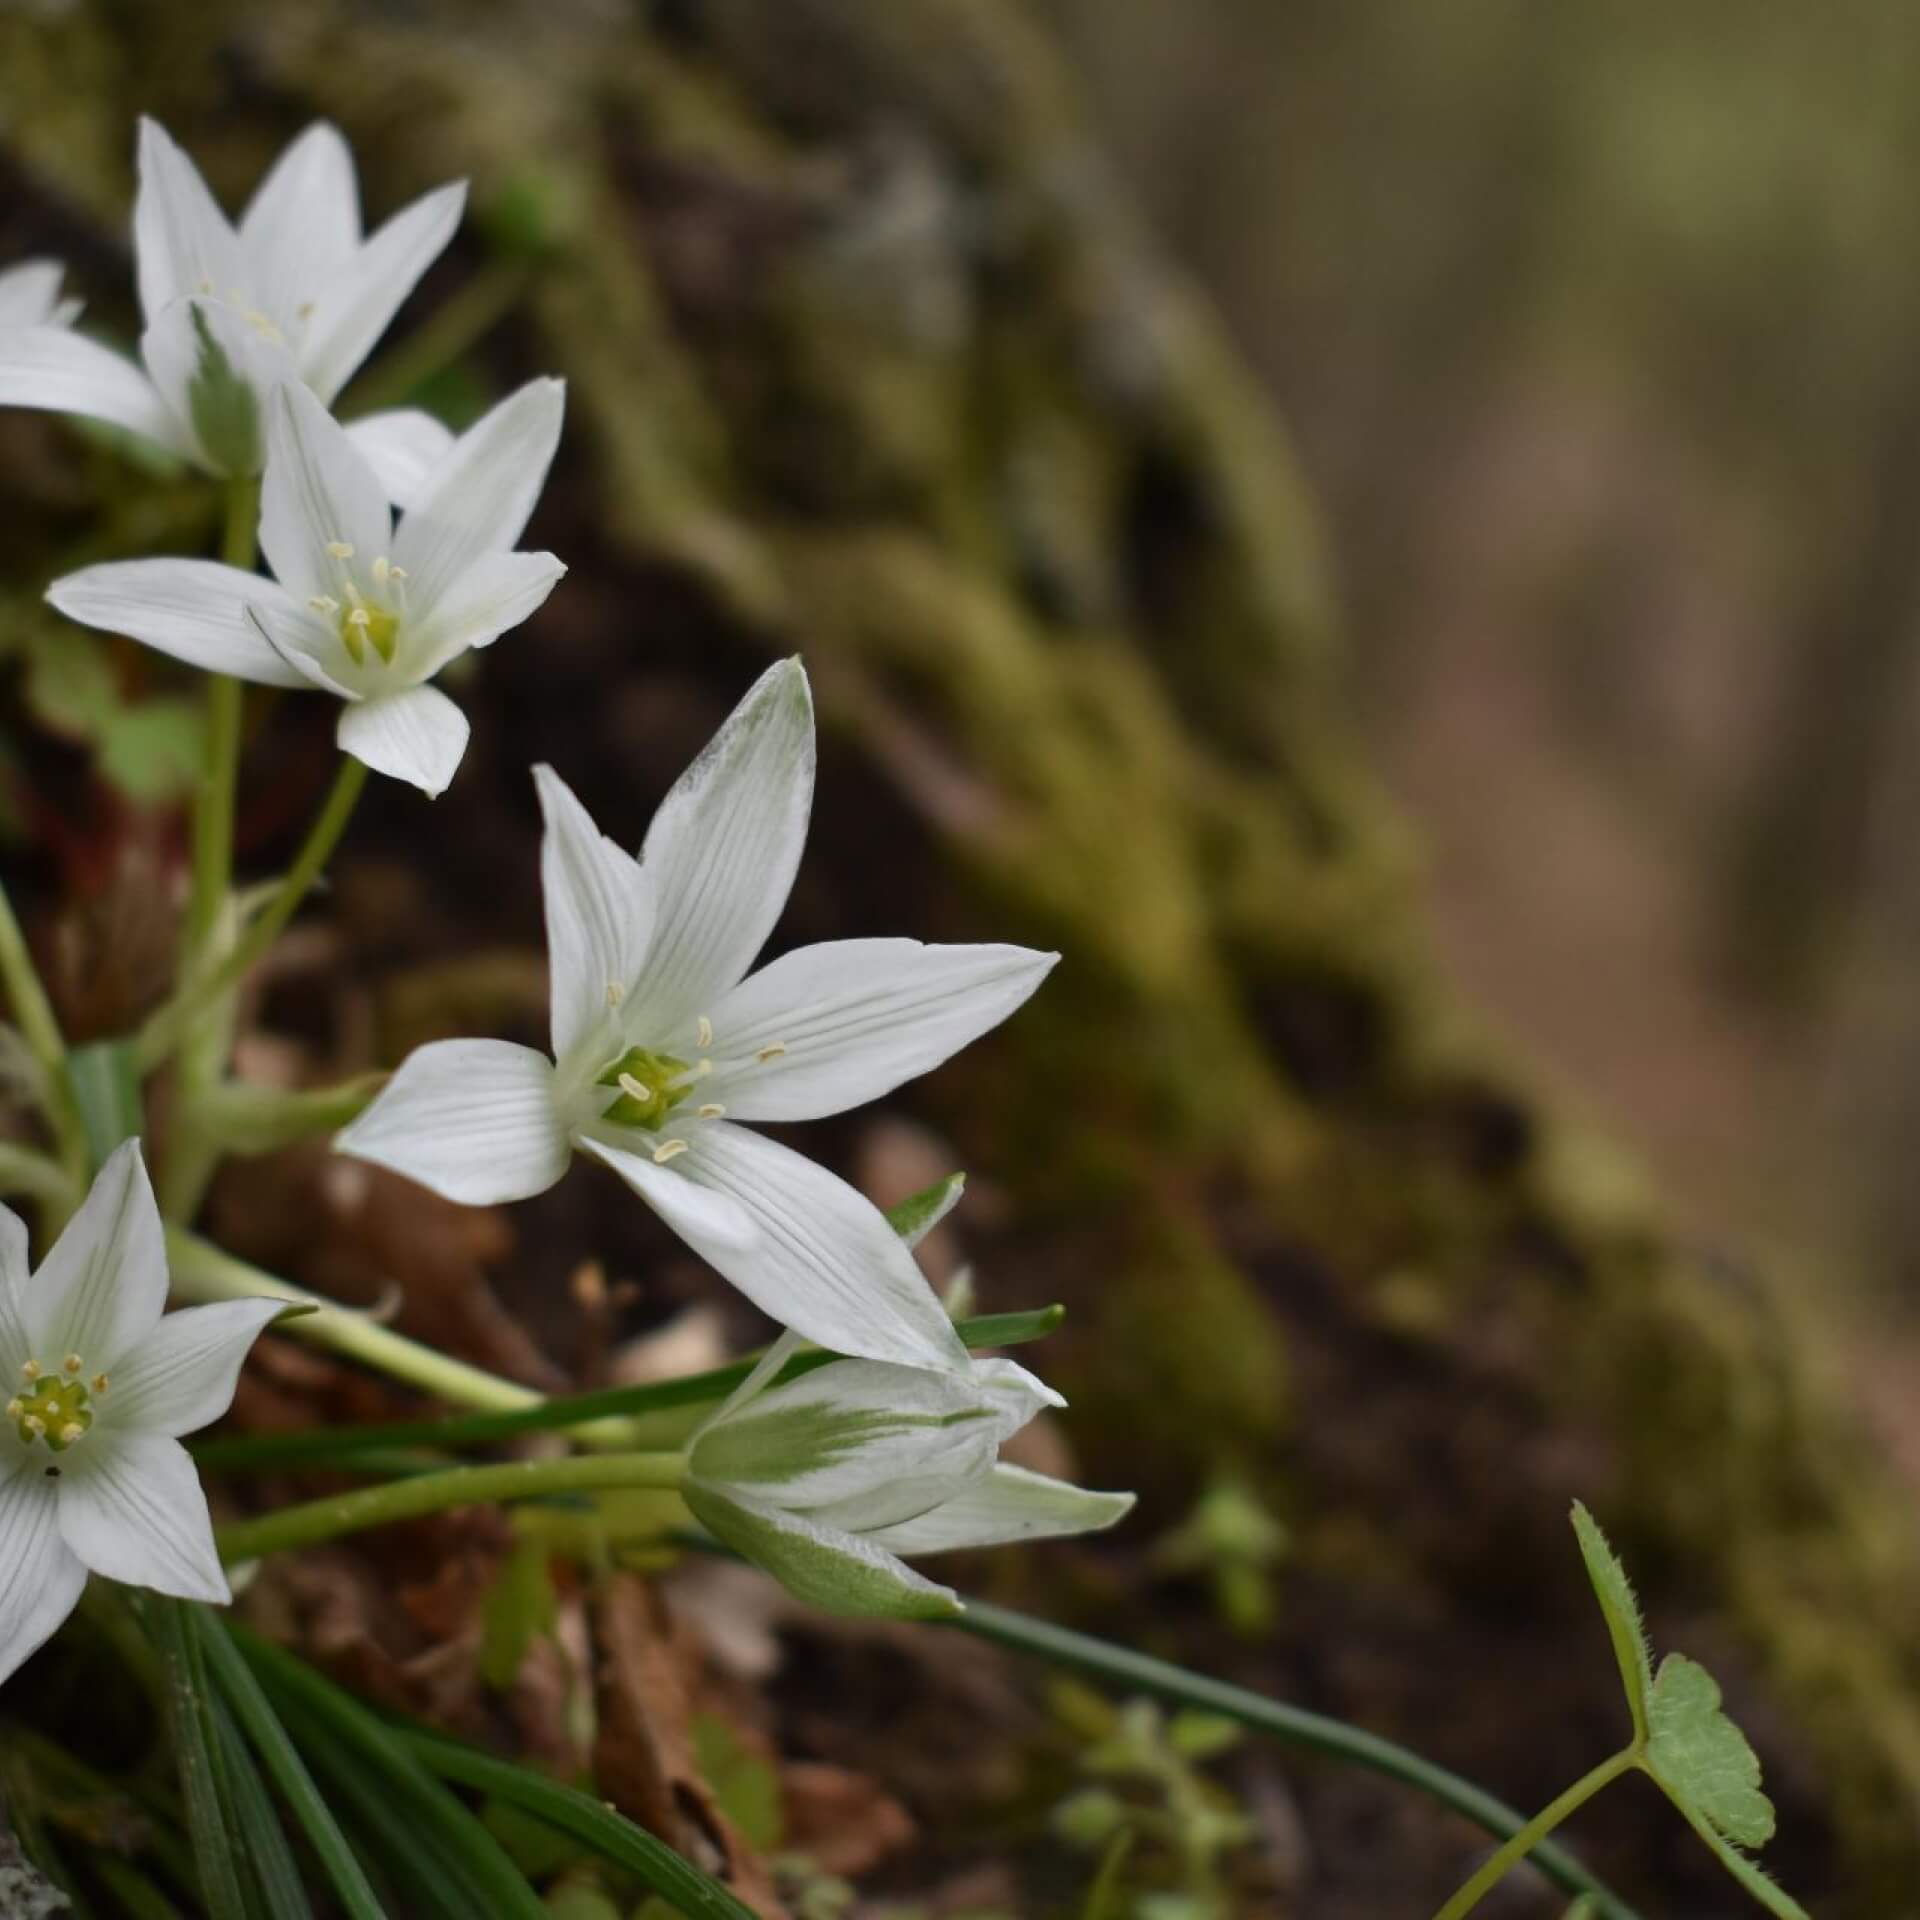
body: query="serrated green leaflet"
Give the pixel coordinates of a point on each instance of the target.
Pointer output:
(1703, 1759)
(1621, 1606)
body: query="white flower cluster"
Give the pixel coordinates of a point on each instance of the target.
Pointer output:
(666, 1042)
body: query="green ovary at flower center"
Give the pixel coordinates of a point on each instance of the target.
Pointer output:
(651, 1086)
(55, 1409)
(365, 623)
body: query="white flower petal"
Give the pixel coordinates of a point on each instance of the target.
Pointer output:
(215, 373)
(839, 1572)
(825, 1262)
(104, 1285)
(478, 499)
(183, 244)
(30, 294)
(13, 1253)
(716, 1227)
(472, 1119)
(599, 908)
(418, 736)
(402, 446)
(494, 595)
(40, 1580)
(353, 309)
(849, 1431)
(317, 493)
(54, 371)
(302, 225)
(182, 1376)
(195, 610)
(856, 1018)
(723, 848)
(1006, 1505)
(132, 1508)
(305, 642)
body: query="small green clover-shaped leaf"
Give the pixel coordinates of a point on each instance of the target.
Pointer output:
(1622, 1610)
(1681, 1735)
(1702, 1758)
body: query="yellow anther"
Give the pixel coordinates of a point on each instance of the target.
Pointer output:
(666, 1150)
(711, 1111)
(615, 993)
(359, 617)
(771, 1053)
(31, 1371)
(339, 549)
(399, 573)
(382, 566)
(101, 1383)
(705, 1031)
(635, 1089)
(71, 1432)
(324, 603)
(34, 1425)
(15, 1407)
(72, 1363)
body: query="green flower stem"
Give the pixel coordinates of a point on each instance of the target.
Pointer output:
(162, 1033)
(1141, 1673)
(22, 1171)
(213, 815)
(33, 1014)
(456, 325)
(317, 1520)
(1520, 1844)
(202, 1272)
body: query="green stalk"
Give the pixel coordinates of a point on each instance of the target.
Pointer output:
(202, 1272)
(33, 1174)
(613, 1410)
(163, 1031)
(213, 814)
(1522, 1843)
(317, 1520)
(1141, 1673)
(33, 1014)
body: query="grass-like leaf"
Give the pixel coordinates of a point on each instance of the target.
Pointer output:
(1621, 1606)
(250, 1814)
(251, 1707)
(426, 1840)
(585, 1819)
(216, 1847)
(571, 1410)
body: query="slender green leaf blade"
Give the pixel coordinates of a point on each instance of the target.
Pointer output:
(1621, 1606)
(243, 1693)
(251, 1815)
(590, 1821)
(215, 1849)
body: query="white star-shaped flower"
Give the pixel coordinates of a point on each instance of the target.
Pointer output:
(827, 1480)
(93, 1477)
(293, 292)
(30, 296)
(663, 1042)
(358, 608)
